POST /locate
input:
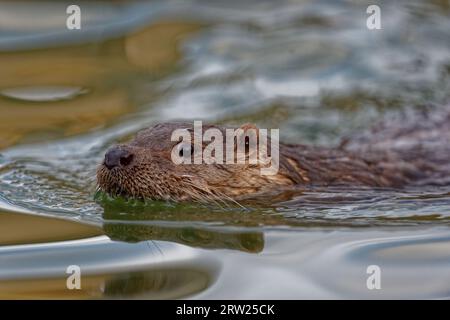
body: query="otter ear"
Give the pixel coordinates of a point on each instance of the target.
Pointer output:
(249, 128)
(249, 137)
(248, 125)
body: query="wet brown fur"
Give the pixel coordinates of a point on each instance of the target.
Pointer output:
(391, 156)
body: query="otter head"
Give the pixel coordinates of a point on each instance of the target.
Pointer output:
(145, 167)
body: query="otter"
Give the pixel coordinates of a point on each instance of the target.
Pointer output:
(413, 151)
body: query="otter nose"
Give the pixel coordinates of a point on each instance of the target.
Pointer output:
(117, 156)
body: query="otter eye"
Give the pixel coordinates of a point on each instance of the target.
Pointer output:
(126, 160)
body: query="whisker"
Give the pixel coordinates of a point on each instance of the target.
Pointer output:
(213, 196)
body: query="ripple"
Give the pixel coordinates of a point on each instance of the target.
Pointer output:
(412, 265)
(110, 269)
(44, 93)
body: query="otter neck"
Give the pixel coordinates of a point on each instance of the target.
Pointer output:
(309, 165)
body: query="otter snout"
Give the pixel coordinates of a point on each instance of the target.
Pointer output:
(117, 156)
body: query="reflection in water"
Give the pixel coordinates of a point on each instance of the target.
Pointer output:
(414, 264)
(158, 284)
(176, 223)
(294, 207)
(244, 241)
(307, 264)
(155, 284)
(295, 264)
(35, 252)
(108, 269)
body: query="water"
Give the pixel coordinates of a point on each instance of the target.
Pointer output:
(312, 69)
